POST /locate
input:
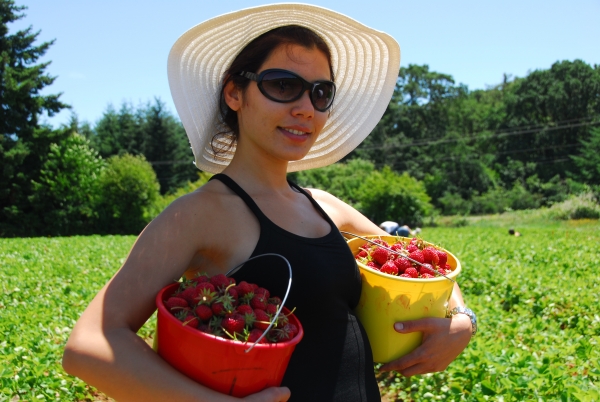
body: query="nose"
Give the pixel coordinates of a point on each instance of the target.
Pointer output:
(304, 107)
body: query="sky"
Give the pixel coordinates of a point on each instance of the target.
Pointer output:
(112, 52)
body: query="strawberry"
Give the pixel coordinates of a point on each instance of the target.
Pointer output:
(381, 242)
(426, 269)
(190, 320)
(254, 335)
(389, 268)
(189, 294)
(397, 247)
(412, 272)
(417, 255)
(405, 276)
(412, 247)
(271, 309)
(243, 288)
(275, 300)
(243, 309)
(262, 319)
(259, 301)
(176, 303)
(233, 323)
(232, 291)
(402, 264)
(203, 312)
(200, 279)
(426, 275)
(361, 254)
(206, 285)
(374, 265)
(204, 328)
(218, 309)
(263, 291)
(430, 255)
(220, 281)
(380, 255)
(443, 258)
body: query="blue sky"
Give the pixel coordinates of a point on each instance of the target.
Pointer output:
(110, 52)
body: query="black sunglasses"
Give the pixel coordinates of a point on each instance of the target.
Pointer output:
(285, 86)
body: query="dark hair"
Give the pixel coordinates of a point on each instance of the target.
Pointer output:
(250, 59)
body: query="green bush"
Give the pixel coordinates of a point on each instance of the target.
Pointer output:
(65, 194)
(128, 190)
(499, 200)
(385, 195)
(340, 179)
(380, 195)
(582, 206)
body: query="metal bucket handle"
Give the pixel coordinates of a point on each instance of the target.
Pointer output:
(237, 267)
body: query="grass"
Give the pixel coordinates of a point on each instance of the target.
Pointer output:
(535, 295)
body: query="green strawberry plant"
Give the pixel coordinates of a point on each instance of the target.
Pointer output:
(536, 298)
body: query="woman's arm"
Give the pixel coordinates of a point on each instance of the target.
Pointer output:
(104, 349)
(443, 338)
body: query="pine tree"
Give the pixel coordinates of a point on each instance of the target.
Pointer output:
(149, 130)
(23, 142)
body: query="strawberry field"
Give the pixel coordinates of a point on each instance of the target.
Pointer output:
(536, 297)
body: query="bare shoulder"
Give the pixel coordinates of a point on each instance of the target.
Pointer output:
(204, 214)
(325, 198)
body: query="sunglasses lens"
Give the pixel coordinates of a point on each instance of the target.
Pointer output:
(281, 85)
(285, 86)
(322, 95)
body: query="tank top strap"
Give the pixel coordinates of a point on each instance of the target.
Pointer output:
(233, 186)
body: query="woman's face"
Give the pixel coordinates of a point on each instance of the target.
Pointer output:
(282, 131)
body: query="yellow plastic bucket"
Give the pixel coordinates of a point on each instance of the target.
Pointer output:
(386, 299)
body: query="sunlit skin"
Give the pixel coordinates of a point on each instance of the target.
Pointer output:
(212, 230)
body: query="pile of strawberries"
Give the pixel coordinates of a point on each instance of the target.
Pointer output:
(431, 261)
(217, 305)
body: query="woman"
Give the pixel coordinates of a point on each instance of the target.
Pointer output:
(264, 78)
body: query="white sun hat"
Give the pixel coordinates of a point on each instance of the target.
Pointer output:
(365, 63)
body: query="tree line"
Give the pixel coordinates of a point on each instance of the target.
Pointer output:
(439, 148)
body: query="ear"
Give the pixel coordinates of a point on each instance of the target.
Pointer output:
(233, 96)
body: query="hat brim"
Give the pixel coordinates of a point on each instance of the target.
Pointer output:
(365, 63)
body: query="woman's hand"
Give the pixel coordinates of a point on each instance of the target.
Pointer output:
(273, 394)
(443, 340)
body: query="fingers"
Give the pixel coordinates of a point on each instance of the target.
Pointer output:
(424, 325)
(436, 351)
(406, 363)
(273, 394)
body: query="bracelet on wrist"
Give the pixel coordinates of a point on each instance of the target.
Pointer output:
(469, 313)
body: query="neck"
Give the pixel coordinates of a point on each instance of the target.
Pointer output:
(257, 176)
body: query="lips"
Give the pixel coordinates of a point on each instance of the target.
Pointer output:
(295, 132)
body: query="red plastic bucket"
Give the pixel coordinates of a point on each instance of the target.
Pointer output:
(221, 364)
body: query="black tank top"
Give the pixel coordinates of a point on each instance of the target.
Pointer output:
(333, 362)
